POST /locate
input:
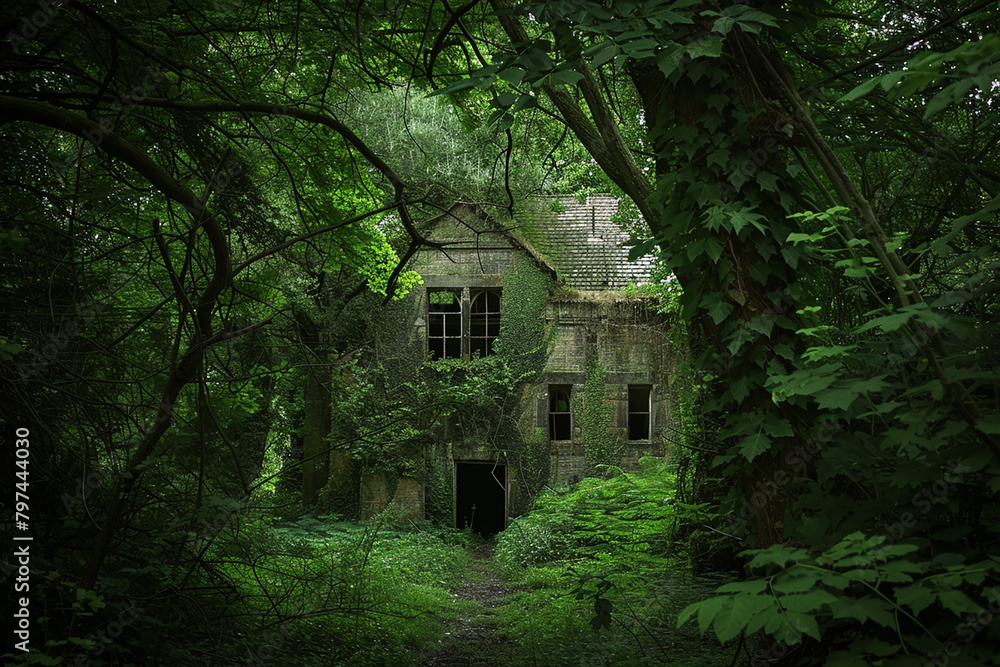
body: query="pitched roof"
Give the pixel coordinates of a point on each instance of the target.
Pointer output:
(579, 242)
(588, 250)
(468, 226)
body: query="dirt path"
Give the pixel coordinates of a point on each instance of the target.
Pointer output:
(472, 638)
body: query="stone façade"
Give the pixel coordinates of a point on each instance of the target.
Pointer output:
(592, 333)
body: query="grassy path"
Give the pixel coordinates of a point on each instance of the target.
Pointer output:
(471, 639)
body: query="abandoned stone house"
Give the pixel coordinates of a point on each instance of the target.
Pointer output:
(601, 392)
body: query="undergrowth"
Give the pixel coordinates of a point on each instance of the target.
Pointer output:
(319, 591)
(600, 578)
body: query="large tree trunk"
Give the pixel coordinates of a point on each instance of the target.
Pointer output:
(315, 429)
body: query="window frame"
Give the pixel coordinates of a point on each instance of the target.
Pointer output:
(485, 323)
(491, 318)
(632, 413)
(447, 316)
(567, 414)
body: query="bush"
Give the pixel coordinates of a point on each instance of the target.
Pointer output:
(532, 539)
(605, 577)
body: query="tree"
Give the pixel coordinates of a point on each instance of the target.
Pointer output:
(182, 177)
(757, 214)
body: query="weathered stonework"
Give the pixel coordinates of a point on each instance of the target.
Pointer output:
(633, 349)
(589, 324)
(407, 496)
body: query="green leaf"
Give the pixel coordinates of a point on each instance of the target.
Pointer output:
(765, 616)
(958, 602)
(754, 445)
(749, 586)
(709, 609)
(863, 610)
(797, 238)
(512, 75)
(740, 388)
(504, 100)
(686, 613)
(841, 397)
(777, 427)
(738, 339)
(821, 352)
(989, 424)
(836, 398)
(811, 602)
(600, 621)
(669, 57)
(458, 86)
(719, 309)
(862, 90)
(640, 48)
(710, 47)
(602, 53)
(786, 583)
(891, 79)
(565, 77)
(917, 597)
(762, 324)
(744, 608)
(777, 554)
(768, 181)
(888, 323)
(796, 625)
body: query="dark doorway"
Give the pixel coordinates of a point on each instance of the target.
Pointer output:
(480, 496)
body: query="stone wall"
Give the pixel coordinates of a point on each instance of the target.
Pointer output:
(584, 328)
(633, 348)
(376, 496)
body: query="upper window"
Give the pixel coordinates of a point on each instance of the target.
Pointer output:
(462, 323)
(484, 326)
(638, 412)
(444, 324)
(560, 417)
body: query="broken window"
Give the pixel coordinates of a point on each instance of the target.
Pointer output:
(444, 324)
(484, 326)
(560, 418)
(449, 336)
(638, 412)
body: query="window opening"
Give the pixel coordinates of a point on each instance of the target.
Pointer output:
(484, 326)
(638, 412)
(444, 325)
(560, 418)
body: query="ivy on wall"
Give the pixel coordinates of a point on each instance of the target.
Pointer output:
(399, 413)
(602, 442)
(523, 343)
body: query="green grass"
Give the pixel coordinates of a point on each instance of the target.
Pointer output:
(595, 574)
(318, 592)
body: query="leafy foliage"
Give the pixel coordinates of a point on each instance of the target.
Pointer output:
(604, 573)
(199, 200)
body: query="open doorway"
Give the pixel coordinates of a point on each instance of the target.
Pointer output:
(481, 496)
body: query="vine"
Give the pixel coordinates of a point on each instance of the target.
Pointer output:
(602, 446)
(400, 413)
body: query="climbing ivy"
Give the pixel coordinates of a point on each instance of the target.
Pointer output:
(602, 443)
(848, 374)
(523, 342)
(397, 415)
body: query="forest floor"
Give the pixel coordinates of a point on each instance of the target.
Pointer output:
(472, 638)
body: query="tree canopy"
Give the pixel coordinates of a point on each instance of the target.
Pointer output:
(204, 203)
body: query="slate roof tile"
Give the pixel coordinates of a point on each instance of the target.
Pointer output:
(589, 251)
